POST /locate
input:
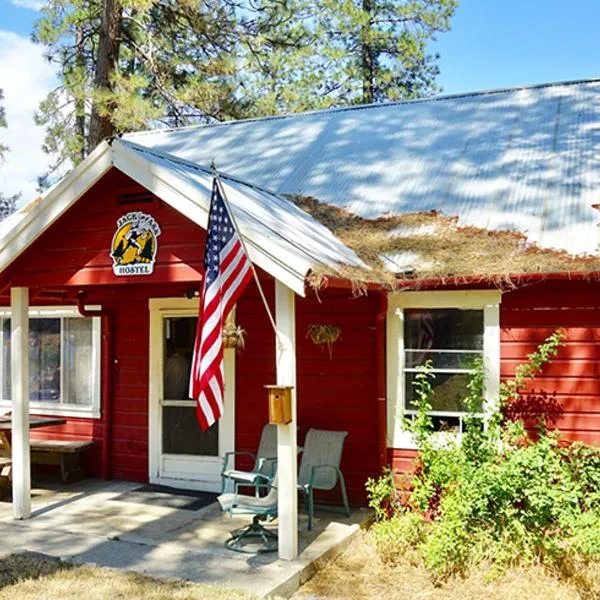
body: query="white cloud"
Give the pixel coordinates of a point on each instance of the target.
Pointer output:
(26, 77)
(30, 4)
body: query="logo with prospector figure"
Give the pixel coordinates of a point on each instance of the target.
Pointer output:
(134, 244)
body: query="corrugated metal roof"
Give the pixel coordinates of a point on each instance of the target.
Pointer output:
(525, 159)
(282, 239)
(276, 224)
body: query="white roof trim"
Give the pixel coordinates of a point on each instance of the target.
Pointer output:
(281, 258)
(190, 202)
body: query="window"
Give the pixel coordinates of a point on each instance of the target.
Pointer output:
(64, 353)
(451, 329)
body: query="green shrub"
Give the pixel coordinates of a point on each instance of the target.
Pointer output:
(383, 495)
(399, 536)
(494, 496)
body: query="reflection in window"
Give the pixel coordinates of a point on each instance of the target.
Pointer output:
(60, 361)
(181, 433)
(178, 350)
(451, 339)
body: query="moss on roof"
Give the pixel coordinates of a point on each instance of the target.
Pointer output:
(423, 245)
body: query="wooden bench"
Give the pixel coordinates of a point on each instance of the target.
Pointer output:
(5, 464)
(64, 453)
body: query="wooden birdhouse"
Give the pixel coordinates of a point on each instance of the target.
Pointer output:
(280, 404)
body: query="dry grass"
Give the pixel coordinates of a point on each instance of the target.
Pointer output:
(441, 248)
(359, 573)
(30, 577)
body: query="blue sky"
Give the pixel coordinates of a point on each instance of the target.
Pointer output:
(506, 43)
(15, 16)
(492, 44)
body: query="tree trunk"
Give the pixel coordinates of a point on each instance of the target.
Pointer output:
(80, 100)
(367, 56)
(101, 126)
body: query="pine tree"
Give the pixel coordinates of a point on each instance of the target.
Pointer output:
(148, 252)
(282, 66)
(3, 147)
(345, 52)
(128, 64)
(8, 204)
(134, 64)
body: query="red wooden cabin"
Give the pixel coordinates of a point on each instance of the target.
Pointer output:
(59, 256)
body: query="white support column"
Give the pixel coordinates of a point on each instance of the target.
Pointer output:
(287, 452)
(19, 340)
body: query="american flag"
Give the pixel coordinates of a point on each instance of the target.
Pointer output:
(227, 271)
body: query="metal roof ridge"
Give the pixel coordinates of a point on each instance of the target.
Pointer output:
(355, 107)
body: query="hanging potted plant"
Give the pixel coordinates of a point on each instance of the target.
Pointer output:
(233, 336)
(324, 335)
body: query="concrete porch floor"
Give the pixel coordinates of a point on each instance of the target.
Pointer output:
(91, 522)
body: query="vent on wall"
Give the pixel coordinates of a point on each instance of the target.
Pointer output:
(144, 197)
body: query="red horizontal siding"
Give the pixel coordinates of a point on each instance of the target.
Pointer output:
(400, 460)
(335, 392)
(76, 249)
(527, 317)
(339, 391)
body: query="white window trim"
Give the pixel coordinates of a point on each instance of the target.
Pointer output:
(49, 408)
(486, 300)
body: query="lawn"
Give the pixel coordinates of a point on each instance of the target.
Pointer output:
(359, 573)
(31, 577)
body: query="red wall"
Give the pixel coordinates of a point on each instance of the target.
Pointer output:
(527, 317)
(530, 315)
(75, 250)
(337, 392)
(73, 253)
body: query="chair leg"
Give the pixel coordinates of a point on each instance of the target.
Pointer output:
(310, 507)
(344, 495)
(255, 530)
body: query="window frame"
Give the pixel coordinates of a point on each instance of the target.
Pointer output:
(92, 411)
(486, 300)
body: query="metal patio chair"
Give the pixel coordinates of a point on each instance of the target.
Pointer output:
(320, 467)
(262, 508)
(265, 462)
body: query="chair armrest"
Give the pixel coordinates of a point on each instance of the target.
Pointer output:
(267, 479)
(228, 455)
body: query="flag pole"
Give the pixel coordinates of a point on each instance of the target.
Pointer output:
(235, 225)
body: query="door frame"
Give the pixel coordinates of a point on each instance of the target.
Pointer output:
(160, 308)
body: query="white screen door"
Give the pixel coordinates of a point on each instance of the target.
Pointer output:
(181, 454)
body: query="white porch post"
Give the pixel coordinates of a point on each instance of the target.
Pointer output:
(19, 340)
(287, 453)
